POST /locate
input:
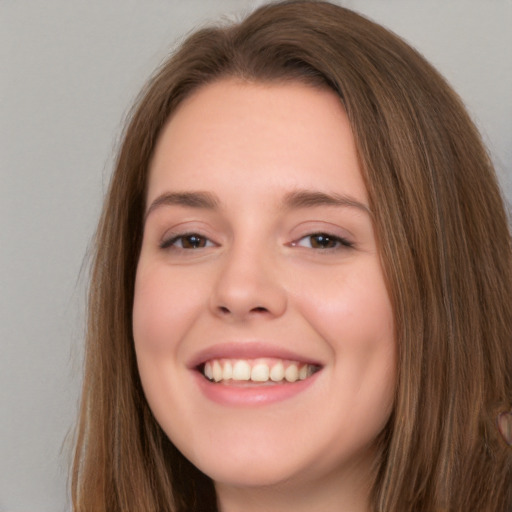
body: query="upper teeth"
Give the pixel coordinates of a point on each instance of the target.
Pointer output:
(256, 370)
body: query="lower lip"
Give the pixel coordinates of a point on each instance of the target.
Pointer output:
(252, 395)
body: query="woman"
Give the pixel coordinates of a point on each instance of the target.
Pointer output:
(301, 296)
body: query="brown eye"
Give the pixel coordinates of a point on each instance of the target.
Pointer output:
(187, 241)
(193, 242)
(323, 241)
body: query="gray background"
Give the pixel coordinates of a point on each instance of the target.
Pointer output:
(69, 72)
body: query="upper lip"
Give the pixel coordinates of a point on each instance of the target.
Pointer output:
(247, 350)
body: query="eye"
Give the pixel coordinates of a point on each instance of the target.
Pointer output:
(187, 241)
(323, 241)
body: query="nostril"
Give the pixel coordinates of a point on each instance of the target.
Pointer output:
(259, 309)
(223, 309)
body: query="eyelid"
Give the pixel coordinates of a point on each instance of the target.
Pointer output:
(171, 238)
(341, 241)
(327, 227)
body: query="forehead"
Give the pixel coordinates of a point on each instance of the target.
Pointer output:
(257, 133)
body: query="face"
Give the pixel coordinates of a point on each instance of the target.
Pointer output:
(263, 328)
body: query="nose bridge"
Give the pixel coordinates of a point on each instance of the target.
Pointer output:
(248, 282)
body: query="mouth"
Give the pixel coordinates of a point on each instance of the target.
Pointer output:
(248, 374)
(260, 371)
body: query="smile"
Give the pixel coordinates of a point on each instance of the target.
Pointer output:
(256, 371)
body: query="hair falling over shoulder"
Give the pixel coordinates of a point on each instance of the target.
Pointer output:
(445, 248)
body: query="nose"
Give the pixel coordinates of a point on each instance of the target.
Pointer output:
(248, 286)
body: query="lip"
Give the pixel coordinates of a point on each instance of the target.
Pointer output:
(251, 395)
(244, 394)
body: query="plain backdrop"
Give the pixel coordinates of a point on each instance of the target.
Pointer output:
(69, 71)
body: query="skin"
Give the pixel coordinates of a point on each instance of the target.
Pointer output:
(259, 276)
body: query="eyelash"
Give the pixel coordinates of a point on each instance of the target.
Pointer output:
(170, 243)
(339, 242)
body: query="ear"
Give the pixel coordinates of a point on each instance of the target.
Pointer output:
(505, 426)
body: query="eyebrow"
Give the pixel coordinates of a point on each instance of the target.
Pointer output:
(296, 199)
(202, 200)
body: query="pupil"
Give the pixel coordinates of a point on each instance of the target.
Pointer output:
(193, 242)
(322, 241)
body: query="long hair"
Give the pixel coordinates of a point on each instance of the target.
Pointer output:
(445, 248)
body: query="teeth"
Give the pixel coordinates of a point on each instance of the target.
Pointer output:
(218, 370)
(260, 372)
(291, 374)
(241, 371)
(277, 372)
(228, 371)
(208, 373)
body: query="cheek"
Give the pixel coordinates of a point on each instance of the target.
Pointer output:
(162, 309)
(351, 309)
(161, 316)
(149, 304)
(353, 314)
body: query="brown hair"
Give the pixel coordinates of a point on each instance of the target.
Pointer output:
(445, 248)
